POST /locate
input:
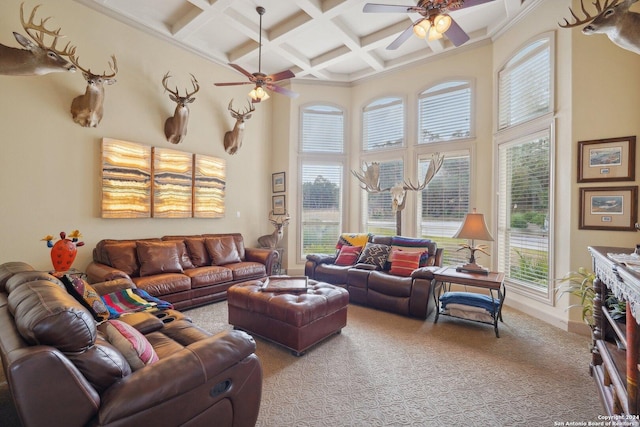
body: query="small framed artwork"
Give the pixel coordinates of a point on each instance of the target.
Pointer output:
(609, 208)
(610, 159)
(278, 205)
(277, 182)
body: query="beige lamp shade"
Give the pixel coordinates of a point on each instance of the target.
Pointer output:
(474, 228)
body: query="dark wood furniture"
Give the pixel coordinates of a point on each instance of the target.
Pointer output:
(616, 346)
(493, 281)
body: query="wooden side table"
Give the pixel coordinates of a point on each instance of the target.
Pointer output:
(494, 282)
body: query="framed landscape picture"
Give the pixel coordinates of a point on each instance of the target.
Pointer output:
(278, 205)
(277, 182)
(609, 208)
(610, 159)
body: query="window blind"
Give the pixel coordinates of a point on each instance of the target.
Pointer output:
(322, 129)
(445, 112)
(379, 216)
(383, 124)
(442, 205)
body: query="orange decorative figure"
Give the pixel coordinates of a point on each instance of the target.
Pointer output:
(64, 251)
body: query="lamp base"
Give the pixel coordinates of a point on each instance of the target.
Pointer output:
(472, 268)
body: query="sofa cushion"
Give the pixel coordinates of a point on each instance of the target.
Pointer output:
(222, 250)
(158, 257)
(131, 343)
(403, 263)
(30, 276)
(353, 239)
(210, 275)
(183, 255)
(375, 254)
(408, 244)
(102, 364)
(348, 255)
(163, 284)
(247, 270)
(122, 255)
(198, 251)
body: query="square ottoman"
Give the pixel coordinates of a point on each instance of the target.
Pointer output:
(296, 321)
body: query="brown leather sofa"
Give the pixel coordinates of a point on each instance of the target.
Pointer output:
(378, 288)
(187, 271)
(62, 370)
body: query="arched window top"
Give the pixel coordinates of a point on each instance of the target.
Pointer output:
(444, 112)
(322, 129)
(383, 124)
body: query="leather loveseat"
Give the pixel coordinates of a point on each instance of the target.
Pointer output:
(187, 271)
(63, 369)
(409, 294)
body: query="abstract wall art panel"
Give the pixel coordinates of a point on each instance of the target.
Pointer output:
(208, 186)
(172, 183)
(126, 179)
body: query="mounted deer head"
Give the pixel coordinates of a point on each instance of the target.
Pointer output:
(175, 128)
(36, 58)
(87, 109)
(233, 138)
(613, 19)
(272, 240)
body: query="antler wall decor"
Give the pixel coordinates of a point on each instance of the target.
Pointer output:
(87, 109)
(36, 58)
(175, 127)
(369, 178)
(233, 138)
(613, 19)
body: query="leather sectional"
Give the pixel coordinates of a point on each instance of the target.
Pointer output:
(376, 287)
(63, 369)
(187, 271)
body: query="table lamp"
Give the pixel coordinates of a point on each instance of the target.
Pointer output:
(474, 227)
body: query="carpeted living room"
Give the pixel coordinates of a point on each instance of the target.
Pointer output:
(380, 120)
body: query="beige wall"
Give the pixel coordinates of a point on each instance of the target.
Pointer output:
(49, 166)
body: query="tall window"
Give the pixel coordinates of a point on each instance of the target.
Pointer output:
(379, 217)
(445, 112)
(383, 124)
(444, 203)
(525, 106)
(321, 177)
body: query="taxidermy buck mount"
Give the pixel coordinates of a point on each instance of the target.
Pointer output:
(613, 19)
(271, 240)
(233, 138)
(36, 58)
(175, 127)
(369, 178)
(87, 109)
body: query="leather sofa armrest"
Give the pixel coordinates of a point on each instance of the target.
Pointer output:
(104, 288)
(363, 266)
(147, 391)
(98, 272)
(322, 258)
(265, 256)
(425, 273)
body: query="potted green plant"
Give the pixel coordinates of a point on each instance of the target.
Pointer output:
(580, 284)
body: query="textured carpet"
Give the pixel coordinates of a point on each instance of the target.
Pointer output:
(389, 370)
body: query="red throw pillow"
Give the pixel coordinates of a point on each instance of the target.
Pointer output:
(348, 255)
(403, 263)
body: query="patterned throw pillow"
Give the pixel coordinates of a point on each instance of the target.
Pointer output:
(375, 254)
(84, 293)
(131, 343)
(353, 239)
(409, 244)
(348, 255)
(403, 263)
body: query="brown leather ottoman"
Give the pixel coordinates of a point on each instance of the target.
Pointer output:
(295, 320)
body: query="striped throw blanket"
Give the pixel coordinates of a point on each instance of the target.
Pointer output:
(125, 301)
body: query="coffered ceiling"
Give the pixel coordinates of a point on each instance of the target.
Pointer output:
(330, 40)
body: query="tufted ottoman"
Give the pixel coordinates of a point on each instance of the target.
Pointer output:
(295, 320)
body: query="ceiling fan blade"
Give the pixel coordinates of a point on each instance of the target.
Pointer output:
(403, 37)
(281, 90)
(233, 84)
(242, 70)
(389, 8)
(282, 75)
(456, 34)
(471, 3)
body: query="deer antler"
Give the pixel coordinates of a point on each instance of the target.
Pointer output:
(113, 64)
(432, 170)
(196, 87)
(164, 83)
(40, 31)
(194, 82)
(236, 114)
(588, 17)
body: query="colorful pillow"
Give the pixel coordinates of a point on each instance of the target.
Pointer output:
(375, 254)
(131, 343)
(158, 257)
(353, 239)
(403, 263)
(348, 255)
(409, 244)
(84, 293)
